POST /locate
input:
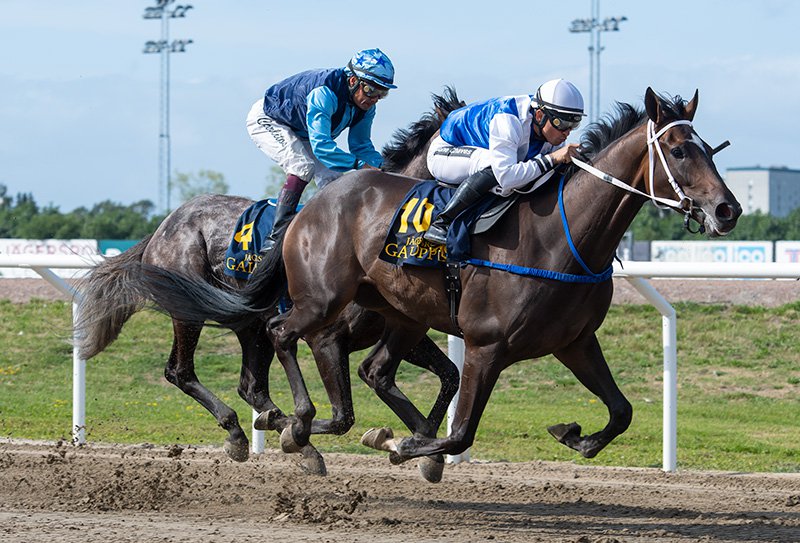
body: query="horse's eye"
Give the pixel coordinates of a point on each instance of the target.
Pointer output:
(677, 152)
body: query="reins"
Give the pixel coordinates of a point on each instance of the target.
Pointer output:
(683, 205)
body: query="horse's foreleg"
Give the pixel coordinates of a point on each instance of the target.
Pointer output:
(180, 372)
(586, 361)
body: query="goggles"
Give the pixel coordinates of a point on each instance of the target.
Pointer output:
(562, 121)
(373, 91)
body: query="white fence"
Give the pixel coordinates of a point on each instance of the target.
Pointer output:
(633, 271)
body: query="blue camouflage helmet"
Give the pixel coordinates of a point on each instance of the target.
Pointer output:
(373, 65)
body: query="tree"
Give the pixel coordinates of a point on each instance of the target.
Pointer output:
(655, 223)
(275, 179)
(16, 215)
(189, 185)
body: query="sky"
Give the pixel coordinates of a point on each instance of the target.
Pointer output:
(79, 101)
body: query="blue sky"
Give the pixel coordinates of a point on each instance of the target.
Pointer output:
(79, 117)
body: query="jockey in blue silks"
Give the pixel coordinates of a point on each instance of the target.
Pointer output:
(502, 144)
(297, 121)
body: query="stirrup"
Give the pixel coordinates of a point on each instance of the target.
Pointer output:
(435, 235)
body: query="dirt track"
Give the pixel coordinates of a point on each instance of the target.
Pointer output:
(52, 492)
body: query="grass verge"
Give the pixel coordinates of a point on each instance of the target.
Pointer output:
(738, 409)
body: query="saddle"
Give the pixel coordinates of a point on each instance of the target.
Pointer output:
(404, 244)
(252, 229)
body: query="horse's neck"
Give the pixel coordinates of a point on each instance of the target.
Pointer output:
(418, 166)
(599, 213)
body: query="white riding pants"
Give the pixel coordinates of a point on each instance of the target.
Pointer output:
(454, 164)
(281, 144)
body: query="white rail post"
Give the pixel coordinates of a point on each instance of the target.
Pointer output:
(455, 351)
(78, 364)
(78, 388)
(669, 340)
(257, 443)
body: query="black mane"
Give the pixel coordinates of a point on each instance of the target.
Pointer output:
(625, 118)
(407, 143)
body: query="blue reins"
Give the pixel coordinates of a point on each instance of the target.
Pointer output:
(589, 277)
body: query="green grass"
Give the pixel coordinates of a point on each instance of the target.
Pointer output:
(738, 371)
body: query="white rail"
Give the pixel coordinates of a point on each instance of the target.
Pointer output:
(633, 271)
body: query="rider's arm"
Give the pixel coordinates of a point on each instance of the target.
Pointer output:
(322, 104)
(359, 140)
(505, 136)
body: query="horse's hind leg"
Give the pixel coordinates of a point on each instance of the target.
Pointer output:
(379, 368)
(331, 354)
(311, 312)
(427, 355)
(482, 366)
(586, 361)
(180, 372)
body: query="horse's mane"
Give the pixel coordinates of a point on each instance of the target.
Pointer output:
(407, 143)
(622, 120)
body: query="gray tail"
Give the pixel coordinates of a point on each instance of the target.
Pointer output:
(109, 295)
(193, 299)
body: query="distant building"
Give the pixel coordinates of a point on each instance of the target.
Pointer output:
(773, 191)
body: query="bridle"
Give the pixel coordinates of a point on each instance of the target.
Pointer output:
(684, 204)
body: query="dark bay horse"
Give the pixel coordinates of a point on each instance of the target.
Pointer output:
(192, 240)
(573, 227)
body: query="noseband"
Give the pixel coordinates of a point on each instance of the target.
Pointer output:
(683, 205)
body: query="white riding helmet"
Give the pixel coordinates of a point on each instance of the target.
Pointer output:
(559, 96)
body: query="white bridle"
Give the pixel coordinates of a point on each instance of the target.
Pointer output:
(684, 204)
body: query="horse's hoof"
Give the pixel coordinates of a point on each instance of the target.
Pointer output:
(377, 438)
(431, 468)
(395, 459)
(267, 420)
(298, 435)
(312, 462)
(565, 433)
(237, 451)
(288, 444)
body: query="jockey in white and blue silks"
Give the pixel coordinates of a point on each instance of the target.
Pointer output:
(297, 121)
(502, 144)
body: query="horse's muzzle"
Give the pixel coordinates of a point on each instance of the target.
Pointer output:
(724, 218)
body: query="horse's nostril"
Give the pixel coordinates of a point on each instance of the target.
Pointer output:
(725, 212)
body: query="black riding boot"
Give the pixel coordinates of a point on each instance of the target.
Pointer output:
(467, 193)
(284, 213)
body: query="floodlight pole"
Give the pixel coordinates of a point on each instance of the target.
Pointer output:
(165, 48)
(594, 27)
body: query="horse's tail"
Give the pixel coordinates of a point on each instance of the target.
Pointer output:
(108, 297)
(407, 143)
(193, 299)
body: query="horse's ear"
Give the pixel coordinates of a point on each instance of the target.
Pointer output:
(691, 107)
(651, 104)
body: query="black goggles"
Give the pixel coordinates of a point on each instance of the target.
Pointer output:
(563, 121)
(373, 91)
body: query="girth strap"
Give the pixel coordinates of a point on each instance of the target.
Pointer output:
(452, 284)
